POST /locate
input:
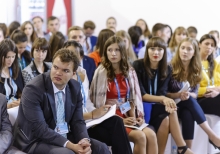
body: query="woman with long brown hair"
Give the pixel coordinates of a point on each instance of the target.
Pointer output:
(186, 75)
(115, 82)
(153, 76)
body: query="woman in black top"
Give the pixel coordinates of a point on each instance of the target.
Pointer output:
(11, 82)
(154, 75)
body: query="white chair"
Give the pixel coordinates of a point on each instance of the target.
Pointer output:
(13, 113)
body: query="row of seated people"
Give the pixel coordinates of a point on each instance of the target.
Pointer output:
(158, 83)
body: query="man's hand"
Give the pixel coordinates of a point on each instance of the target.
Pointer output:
(86, 149)
(97, 113)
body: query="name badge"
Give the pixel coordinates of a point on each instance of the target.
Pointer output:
(62, 128)
(125, 107)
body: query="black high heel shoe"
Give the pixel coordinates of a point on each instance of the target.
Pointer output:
(214, 145)
(183, 148)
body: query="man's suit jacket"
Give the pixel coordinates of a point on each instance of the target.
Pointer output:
(5, 126)
(89, 66)
(35, 121)
(93, 40)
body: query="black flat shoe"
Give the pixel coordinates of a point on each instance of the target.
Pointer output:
(214, 145)
(184, 149)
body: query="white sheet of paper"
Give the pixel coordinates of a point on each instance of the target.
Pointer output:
(139, 128)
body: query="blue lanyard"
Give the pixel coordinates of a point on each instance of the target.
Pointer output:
(118, 90)
(14, 86)
(83, 92)
(155, 86)
(23, 65)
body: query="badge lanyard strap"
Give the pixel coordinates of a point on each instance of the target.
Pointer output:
(118, 90)
(14, 86)
(23, 61)
(83, 92)
(155, 86)
(207, 77)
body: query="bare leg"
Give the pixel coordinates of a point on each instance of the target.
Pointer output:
(189, 143)
(139, 139)
(152, 147)
(176, 133)
(212, 136)
(162, 135)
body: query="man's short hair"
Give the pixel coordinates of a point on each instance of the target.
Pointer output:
(75, 28)
(192, 29)
(52, 18)
(66, 56)
(157, 27)
(89, 24)
(38, 17)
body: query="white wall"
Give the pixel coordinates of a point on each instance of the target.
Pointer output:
(203, 14)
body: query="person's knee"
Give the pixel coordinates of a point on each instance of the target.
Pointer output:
(99, 147)
(165, 123)
(139, 137)
(150, 134)
(61, 150)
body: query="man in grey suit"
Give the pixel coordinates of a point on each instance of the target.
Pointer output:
(50, 118)
(6, 130)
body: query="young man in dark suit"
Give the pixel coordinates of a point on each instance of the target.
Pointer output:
(50, 118)
(89, 27)
(76, 33)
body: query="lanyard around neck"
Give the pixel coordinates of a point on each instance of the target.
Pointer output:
(207, 77)
(155, 86)
(14, 86)
(83, 91)
(118, 90)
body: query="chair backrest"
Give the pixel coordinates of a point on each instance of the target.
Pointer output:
(13, 113)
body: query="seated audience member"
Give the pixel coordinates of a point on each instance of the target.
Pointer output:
(113, 131)
(153, 76)
(90, 40)
(6, 137)
(115, 82)
(11, 82)
(102, 38)
(186, 70)
(38, 25)
(28, 28)
(209, 87)
(169, 33)
(128, 46)
(111, 24)
(40, 52)
(179, 34)
(3, 31)
(160, 30)
(216, 52)
(20, 40)
(76, 33)
(56, 42)
(53, 25)
(146, 34)
(192, 32)
(50, 114)
(12, 27)
(135, 33)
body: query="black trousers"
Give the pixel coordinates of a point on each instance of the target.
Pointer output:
(190, 111)
(96, 146)
(113, 133)
(210, 105)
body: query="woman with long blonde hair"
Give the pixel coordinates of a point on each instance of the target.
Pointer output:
(179, 34)
(129, 49)
(183, 88)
